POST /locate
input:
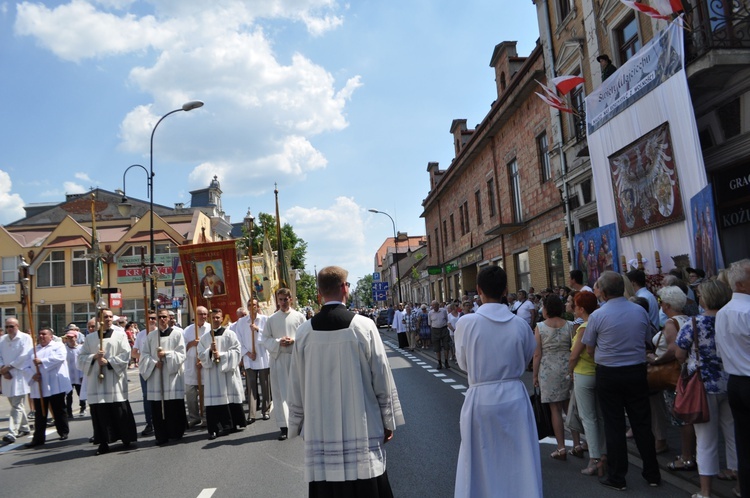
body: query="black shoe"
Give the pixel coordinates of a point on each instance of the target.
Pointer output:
(148, 431)
(34, 443)
(162, 442)
(250, 420)
(63, 437)
(284, 433)
(266, 416)
(440, 366)
(9, 439)
(91, 439)
(447, 365)
(103, 448)
(23, 433)
(211, 436)
(70, 414)
(612, 485)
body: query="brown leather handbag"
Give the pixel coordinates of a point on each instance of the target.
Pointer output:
(664, 375)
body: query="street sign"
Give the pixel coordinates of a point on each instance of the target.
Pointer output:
(376, 277)
(115, 299)
(380, 286)
(378, 295)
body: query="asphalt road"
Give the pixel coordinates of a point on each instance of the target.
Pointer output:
(421, 459)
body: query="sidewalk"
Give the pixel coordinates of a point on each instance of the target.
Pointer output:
(719, 489)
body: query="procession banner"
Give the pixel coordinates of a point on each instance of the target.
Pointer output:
(212, 265)
(705, 237)
(595, 253)
(646, 158)
(127, 275)
(655, 63)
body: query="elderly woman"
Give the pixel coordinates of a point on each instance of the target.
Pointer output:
(713, 296)
(550, 367)
(673, 300)
(583, 368)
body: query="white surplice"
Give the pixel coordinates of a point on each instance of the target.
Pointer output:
(169, 379)
(14, 353)
(358, 414)
(191, 355)
(222, 383)
(499, 454)
(279, 325)
(248, 337)
(114, 387)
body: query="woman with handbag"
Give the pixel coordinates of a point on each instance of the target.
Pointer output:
(664, 362)
(702, 357)
(581, 365)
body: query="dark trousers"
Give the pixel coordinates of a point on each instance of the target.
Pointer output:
(620, 390)
(69, 400)
(146, 404)
(55, 403)
(171, 423)
(253, 377)
(738, 391)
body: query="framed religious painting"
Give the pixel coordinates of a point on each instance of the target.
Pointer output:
(645, 184)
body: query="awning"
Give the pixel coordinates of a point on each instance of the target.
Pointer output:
(505, 229)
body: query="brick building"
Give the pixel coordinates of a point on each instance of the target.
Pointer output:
(497, 202)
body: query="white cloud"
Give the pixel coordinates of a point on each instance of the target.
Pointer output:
(73, 188)
(11, 205)
(335, 234)
(83, 176)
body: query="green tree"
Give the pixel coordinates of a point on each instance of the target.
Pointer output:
(266, 223)
(307, 291)
(363, 291)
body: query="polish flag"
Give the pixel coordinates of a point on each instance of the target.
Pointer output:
(556, 103)
(565, 84)
(648, 10)
(667, 7)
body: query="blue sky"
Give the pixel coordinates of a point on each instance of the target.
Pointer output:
(341, 104)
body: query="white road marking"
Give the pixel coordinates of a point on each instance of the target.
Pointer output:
(439, 375)
(458, 386)
(447, 381)
(207, 493)
(432, 370)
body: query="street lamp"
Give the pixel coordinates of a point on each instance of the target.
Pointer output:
(249, 222)
(125, 207)
(395, 240)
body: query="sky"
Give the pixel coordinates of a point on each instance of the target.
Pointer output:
(342, 105)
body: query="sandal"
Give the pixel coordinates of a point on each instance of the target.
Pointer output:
(727, 475)
(680, 464)
(577, 451)
(559, 454)
(593, 468)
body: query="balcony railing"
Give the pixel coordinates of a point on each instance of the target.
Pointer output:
(716, 24)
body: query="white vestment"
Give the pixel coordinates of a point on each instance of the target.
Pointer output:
(280, 325)
(248, 337)
(14, 353)
(191, 355)
(76, 375)
(499, 454)
(222, 383)
(114, 387)
(169, 379)
(54, 370)
(341, 398)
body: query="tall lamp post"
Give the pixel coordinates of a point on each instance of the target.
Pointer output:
(249, 223)
(395, 240)
(125, 207)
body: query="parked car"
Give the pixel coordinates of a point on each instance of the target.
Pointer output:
(382, 318)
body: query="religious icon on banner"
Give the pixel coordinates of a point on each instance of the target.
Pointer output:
(708, 255)
(213, 273)
(212, 265)
(645, 184)
(596, 252)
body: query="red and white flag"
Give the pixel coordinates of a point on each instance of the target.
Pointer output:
(552, 100)
(662, 9)
(565, 84)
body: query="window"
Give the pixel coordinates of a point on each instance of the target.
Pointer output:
(81, 268)
(83, 312)
(429, 245)
(51, 272)
(466, 216)
(461, 218)
(555, 271)
(10, 269)
(523, 274)
(162, 248)
(543, 150)
(478, 200)
(453, 229)
(7, 313)
(563, 8)
(445, 233)
(135, 251)
(133, 309)
(515, 189)
(627, 39)
(51, 315)
(437, 244)
(491, 195)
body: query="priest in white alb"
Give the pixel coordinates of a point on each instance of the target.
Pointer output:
(220, 357)
(342, 397)
(194, 386)
(107, 385)
(161, 362)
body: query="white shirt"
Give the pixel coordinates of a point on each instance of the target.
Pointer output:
(14, 353)
(191, 355)
(245, 335)
(54, 370)
(524, 310)
(733, 335)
